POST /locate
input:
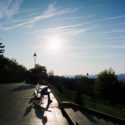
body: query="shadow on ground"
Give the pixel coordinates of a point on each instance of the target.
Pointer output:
(23, 87)
(39, 110)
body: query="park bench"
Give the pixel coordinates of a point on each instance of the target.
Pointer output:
(37, 92)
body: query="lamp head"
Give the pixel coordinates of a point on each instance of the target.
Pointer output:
(34, 55)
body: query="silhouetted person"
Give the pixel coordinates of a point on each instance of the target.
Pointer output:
(45, 92)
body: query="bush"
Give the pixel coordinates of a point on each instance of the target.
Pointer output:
(60, 86)
(79, 98)
(108, 87)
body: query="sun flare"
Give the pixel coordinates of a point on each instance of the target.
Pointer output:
(54, 43)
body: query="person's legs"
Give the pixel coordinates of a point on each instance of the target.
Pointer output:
(49, 100)
(48, 96)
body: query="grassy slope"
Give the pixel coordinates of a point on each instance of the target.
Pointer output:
(90, 103)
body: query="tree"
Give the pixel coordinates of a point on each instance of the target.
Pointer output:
(60, 86)
(11, 71)
(1, 49)
(51, 76)
(38, 74)
(105, 84)
(79, 98)
(87, 84)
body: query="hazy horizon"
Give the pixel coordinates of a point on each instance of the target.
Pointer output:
(69, 37)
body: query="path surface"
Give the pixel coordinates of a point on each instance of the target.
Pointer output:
(84, 118)
(16, 107)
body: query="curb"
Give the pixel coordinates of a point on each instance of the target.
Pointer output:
(103, 115)
(89, 110)
(62, 110)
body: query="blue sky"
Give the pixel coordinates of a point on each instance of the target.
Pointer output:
(69, 36)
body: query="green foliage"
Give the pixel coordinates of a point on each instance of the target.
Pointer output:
(87, 84)
(105, 84)
(1, 49)
(98, 105)
(78, 98)
(103, 107)
(67, 95)
(11, 71)
(60, 86)
(38, 74)
(51, 77)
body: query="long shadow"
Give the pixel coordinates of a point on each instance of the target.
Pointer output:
(23, 87)
(28, 110)
(39, 111)
(31, 100)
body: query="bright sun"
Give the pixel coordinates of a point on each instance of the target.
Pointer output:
(54, 44)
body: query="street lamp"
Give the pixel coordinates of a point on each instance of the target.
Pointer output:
(87, 74)
(34, 56)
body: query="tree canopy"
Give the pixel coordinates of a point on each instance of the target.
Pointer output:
(11, 71)
(107, 85)
(38, 74)
(1, 49)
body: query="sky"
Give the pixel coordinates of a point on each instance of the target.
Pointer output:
(70, 37)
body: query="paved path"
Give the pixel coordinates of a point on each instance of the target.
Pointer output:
(16, 107)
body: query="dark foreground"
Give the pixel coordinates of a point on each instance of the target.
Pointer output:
(83, 117)
(16, 107)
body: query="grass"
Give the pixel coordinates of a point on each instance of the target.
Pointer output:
(68, 95)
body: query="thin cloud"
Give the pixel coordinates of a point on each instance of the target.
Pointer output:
(63, 28)
(51, 11)
(104, 19)
(103, 46)
(115, 31)
(72, 32)
(79, 17)
(48, 13)
(9, 8)
(115, 17)
(95, 21)
(120, 37)
(63, 31)
(121, 23)
(122, 46)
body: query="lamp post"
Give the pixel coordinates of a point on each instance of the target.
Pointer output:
(87, 75)
(34, 56)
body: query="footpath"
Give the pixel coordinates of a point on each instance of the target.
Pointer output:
(51, 110)
(16, 107)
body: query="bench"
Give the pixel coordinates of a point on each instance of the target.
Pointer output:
(37, 92)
